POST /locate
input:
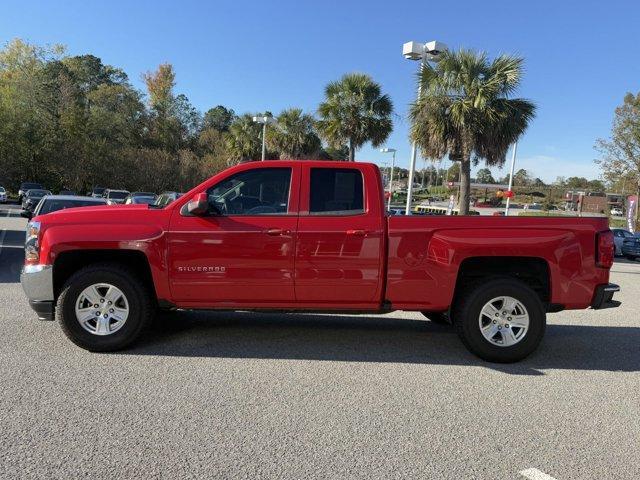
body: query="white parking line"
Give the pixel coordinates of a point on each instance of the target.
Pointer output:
(535, 474)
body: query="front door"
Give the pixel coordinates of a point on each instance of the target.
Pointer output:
(242, 253)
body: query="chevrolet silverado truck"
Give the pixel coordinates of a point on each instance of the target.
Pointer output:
(311, 236)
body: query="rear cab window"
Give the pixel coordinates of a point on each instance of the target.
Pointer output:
(336, 191)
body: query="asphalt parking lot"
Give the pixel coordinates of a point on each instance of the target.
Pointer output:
(246, 395)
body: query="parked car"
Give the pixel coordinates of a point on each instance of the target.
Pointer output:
(396, 211)
(619, 237)
(31, 198)
(27, 186)
(165, 198)
(3, 195)
(631, 248)
(312, 235)
(97, 192)
(616, 212)
(115, 197)
(67, 192)
(626, 243)
(53, 203)
(533, 206)
(140, 198)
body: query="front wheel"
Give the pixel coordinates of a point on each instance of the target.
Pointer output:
(501, 321)
(104, 307)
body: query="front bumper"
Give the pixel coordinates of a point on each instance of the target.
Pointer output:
(603, 297)
(37, 283)
(633, 251)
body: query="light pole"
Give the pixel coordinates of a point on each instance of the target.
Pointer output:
(393, 165)
(513, 164)
(424, 52)
(264, 120)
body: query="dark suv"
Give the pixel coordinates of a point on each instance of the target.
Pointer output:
(24, 186)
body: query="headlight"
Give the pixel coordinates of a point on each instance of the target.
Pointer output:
(31, 245)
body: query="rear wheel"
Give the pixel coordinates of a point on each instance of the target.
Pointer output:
(441, 318)
(500, 321)
(104, 307)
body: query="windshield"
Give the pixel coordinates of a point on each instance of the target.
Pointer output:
(143, 200)
(55, 205)
(38, 193)
(29, 186)
(98, 191)
(2, 190)
(118, 195)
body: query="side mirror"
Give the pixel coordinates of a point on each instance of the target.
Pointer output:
(26, 214)
(198, 205)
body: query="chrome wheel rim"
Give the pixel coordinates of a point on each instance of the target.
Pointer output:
(503, 321)
(102, 309)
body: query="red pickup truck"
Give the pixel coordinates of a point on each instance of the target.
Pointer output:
(312, 235)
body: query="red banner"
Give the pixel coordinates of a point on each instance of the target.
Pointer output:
(632, 205)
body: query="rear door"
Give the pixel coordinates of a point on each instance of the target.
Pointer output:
(340, 242)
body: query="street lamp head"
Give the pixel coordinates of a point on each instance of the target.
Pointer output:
(413, 50)
(431, 51)
(388, 150)
(264, 119)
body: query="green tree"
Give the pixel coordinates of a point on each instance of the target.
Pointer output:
(243, 140)
(484, 176)
(453, 173)
(355, 112)
(219, 118)
(466, 111)
(521, 178)
(174, 122)
(620, 154)
(334, 153)
(293, 135)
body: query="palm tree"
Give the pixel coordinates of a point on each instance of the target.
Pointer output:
(355, 112)
(465, 111)
(243, 139)
(293, 135)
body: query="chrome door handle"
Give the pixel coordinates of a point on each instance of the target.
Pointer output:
(357, 233)
(274, 232)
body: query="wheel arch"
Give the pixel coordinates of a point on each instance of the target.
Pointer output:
(70, 261)
(532, 271)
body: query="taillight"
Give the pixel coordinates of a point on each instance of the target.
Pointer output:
(605, 249)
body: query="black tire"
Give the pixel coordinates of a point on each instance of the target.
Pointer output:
(138, 297)
(631, 257)
(467, 312)
(441, 318)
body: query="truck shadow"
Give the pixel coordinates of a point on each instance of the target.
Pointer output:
(376, 339)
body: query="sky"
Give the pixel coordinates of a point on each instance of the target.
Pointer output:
(581, 57)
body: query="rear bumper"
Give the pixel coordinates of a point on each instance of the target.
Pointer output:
(37, 283)
(603, 297)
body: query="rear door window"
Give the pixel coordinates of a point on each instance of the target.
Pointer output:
(336, 191)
